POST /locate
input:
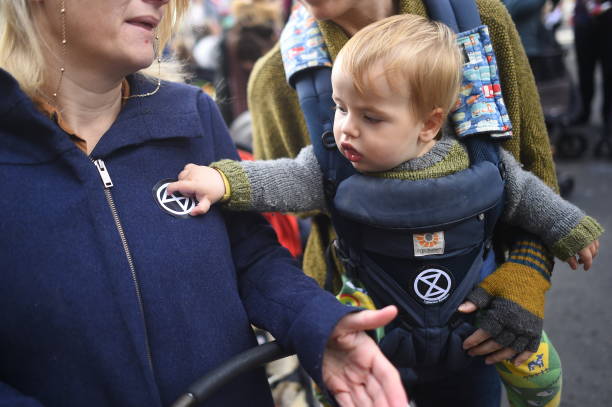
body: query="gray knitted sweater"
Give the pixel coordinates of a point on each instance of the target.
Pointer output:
(296, 185)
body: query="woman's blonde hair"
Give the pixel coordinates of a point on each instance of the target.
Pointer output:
(419, 57)
(21, 47)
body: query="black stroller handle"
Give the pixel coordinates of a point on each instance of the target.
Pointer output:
(242, 362)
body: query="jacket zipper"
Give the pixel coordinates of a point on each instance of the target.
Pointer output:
(108, 184)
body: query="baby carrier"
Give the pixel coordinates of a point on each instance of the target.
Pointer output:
(420, 245)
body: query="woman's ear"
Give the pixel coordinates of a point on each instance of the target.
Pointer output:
(432, 125)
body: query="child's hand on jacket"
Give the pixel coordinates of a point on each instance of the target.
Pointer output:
(585, 256)
(203, 183)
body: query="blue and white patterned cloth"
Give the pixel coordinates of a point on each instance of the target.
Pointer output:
(480, 107)
(302, 45)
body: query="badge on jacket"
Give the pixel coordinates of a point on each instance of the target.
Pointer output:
(176, 204)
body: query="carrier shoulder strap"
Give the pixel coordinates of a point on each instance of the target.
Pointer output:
(314, 91)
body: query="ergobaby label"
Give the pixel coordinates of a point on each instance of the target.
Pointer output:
(426, 244)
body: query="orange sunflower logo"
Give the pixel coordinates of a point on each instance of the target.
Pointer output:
(427, 239)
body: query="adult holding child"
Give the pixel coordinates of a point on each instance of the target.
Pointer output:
(280, 130)
(110, 294)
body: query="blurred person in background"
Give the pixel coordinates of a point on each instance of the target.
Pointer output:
(255, 29)
(536, 38)
(593, 43)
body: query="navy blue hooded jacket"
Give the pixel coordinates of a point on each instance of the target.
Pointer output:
(78, 325)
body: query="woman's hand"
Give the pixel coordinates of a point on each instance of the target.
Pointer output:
(355, 370)
(203, 183)
(480, 344)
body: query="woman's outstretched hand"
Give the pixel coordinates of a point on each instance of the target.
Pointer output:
(355, 371)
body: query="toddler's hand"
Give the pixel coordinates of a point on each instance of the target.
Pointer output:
(203, 183)
(585, 256)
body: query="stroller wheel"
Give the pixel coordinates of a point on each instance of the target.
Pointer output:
(603, 148)
(571, 145)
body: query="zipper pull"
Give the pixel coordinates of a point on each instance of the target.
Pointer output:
(101, 167)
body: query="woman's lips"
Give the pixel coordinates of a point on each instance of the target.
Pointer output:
(145, 22)
(144, 26)
(350, 153)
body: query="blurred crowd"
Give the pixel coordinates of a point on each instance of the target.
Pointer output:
(222, 39)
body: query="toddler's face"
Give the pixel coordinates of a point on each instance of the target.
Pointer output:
(375, 131)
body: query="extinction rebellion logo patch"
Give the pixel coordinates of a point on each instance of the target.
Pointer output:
(426, 244)
(175, 204)
(432, 285)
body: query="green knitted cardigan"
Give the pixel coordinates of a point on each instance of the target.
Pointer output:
(279, 129)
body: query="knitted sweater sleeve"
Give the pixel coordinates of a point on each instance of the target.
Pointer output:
(282, 185)
(533, 206)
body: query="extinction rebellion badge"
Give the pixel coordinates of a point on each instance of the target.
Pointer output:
(175, 204)
(426, 244)
(432, 285)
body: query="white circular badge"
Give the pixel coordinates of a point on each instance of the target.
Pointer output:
(175, 204)
(432, 285)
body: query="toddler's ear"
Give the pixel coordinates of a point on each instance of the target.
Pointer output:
(432, 125)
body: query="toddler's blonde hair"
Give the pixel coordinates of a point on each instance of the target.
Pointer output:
(419, 58)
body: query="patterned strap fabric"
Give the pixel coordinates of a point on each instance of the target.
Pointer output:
(302, 45)
(480, 107)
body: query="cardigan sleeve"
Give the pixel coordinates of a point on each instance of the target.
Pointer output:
(279, 128)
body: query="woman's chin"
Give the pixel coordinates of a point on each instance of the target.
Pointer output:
(138, 63)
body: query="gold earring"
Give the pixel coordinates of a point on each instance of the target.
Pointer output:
(62, 69)
(154, 91)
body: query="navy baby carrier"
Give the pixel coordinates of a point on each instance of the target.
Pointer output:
(419, 245)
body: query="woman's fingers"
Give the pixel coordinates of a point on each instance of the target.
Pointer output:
(475, 339)
(522, 357)
(376, 393)
(503, 354)
(360, 396)
(467, 307)
(368, 319)
(485, 348)
(387, 376)
(344, 399)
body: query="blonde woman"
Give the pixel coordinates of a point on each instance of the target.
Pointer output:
(110, 294)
